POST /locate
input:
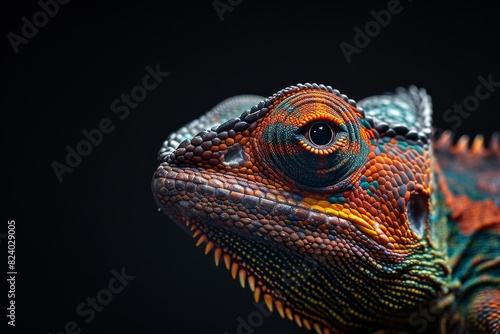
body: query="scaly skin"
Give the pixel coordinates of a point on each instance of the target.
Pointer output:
(339, 215)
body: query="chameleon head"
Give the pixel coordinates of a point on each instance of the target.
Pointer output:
(319, 206)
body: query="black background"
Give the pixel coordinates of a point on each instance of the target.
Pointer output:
(70, 235)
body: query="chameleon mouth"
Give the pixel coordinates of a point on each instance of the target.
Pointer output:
(249, 260)
(258, 233)
(267, 214)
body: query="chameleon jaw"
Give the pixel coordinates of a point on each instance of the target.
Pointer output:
(240, 259)
(265, 214)
(243, 270)
(185, 196)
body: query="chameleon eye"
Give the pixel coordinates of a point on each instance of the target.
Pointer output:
(313, 141)
(320, 134)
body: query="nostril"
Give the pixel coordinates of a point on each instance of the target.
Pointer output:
(235, 156)
(418, 212)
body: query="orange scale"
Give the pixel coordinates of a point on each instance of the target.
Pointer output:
(372, 210)
(419, 188)
(376, 238)
(266, 182)
(385, 230)
(389, 161)
(399, 166)
(398, 233)
(385, 210)
(378, 166)
(280, 198)
(323, 203)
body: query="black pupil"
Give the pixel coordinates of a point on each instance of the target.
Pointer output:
(320, 134)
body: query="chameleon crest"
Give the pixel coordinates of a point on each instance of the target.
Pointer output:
(336, 213)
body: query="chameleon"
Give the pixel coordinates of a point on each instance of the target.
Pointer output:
(343, 216)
